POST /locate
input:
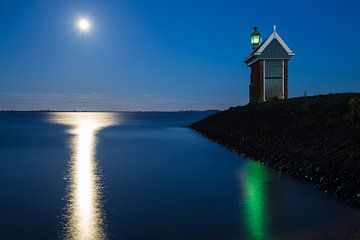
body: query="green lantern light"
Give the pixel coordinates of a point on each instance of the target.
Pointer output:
(255, 38)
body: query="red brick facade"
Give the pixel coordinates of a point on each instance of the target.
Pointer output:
(256, 82)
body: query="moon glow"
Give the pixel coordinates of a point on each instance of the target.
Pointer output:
(83, 24)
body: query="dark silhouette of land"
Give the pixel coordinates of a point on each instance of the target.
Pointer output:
(316, 138)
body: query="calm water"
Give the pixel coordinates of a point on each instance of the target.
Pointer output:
(144, 176)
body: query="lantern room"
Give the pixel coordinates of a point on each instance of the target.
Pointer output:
(269, 67)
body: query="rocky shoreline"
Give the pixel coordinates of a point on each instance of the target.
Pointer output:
(316, 139)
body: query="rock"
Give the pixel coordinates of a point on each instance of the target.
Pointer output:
(310, 138)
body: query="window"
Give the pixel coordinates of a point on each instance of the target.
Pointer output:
(273, 79)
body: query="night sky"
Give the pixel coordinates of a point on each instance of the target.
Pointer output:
(167, 54)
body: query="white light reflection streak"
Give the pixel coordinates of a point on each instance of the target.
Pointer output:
(84, 220)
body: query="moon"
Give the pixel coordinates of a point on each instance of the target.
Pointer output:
(83, 24)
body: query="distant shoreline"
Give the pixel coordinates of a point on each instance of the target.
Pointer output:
(210, 110)
(316, 139)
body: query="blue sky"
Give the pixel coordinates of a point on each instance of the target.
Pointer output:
(167, 54)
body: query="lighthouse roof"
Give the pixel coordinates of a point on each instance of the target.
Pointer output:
(273, 47)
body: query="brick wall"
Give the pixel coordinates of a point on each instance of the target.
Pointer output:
(256, 82)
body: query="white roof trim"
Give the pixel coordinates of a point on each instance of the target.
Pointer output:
(257, 59)
(252, 62)
(248, 58)
(268, 41)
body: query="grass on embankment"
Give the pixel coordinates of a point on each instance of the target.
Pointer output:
(313, 138)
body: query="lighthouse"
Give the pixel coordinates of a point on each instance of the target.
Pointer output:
(269, 67)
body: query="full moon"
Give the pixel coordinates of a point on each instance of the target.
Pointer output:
(83, 24)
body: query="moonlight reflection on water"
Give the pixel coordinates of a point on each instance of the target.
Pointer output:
(163, 182)
(84, 214)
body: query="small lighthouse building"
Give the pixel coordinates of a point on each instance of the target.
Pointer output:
(269, 67)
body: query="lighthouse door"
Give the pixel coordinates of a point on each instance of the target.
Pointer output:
(274, 79)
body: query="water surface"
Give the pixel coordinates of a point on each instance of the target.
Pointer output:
(146, 176)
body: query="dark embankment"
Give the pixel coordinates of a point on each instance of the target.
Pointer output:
(314, 138)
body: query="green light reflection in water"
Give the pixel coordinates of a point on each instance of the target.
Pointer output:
(255, 177)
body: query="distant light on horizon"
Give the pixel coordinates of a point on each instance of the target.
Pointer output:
(83, 24)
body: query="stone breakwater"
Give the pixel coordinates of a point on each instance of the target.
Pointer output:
(316, 139)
